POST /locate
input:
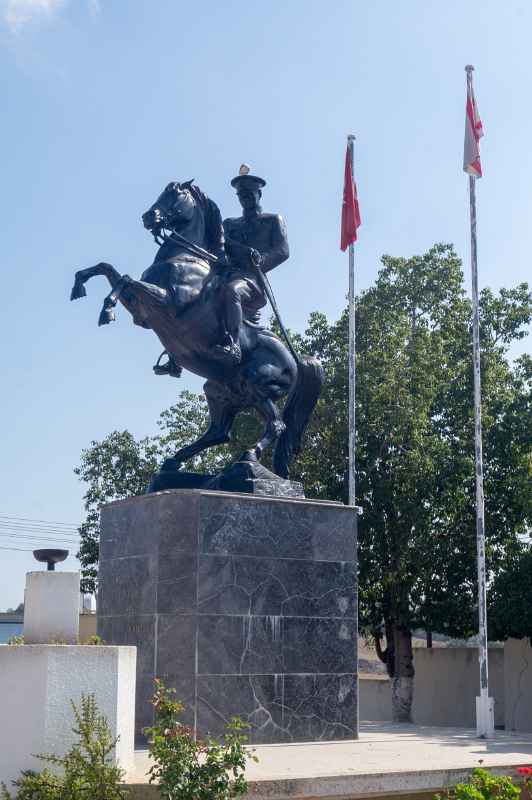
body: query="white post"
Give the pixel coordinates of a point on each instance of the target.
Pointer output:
(484, 704)
(51, 608)
(352, 351)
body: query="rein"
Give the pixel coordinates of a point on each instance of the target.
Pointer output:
(191, 247)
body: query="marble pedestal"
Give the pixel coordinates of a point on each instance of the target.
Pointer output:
(245, 604)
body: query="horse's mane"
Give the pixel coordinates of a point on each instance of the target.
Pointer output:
(213, 219)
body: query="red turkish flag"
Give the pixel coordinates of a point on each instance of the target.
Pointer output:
(350, 210)
(473, 134)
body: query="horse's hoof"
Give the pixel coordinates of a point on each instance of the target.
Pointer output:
(78, 290)
(106, 316)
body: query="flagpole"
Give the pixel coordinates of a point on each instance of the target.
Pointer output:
(352, 351)
(484, 705)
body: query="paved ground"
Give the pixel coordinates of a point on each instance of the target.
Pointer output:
(387, 759)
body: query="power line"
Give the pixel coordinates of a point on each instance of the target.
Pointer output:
(38, 525)
(26, 531)
(36, 528)
(42, 521)
(40, 538)
(35, 525)
(36, 531)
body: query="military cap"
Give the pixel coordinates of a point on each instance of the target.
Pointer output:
(244, 179)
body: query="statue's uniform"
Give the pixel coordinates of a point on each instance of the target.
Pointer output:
(265, 233)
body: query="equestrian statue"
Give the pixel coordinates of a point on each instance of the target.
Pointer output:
(202, 296)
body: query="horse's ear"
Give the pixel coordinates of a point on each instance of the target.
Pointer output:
(187, 184)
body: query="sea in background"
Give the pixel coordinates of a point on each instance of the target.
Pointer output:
(8, 629)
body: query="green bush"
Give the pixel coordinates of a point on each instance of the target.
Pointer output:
(86, 772)
(94, 640)
(188, 768)
(484, 786)
(16, 639)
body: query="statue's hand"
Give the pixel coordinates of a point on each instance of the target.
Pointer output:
(255, 257)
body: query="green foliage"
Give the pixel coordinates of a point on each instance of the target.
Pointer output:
(484, 786)
(16, 639)
(94, 640)
(187, 768)
(36, 786)
(415, 440)
(18, 610)
(510, 597)
(85, 772)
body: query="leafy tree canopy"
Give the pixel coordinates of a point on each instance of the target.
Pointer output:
(510, 598)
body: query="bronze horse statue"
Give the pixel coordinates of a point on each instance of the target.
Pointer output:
(177, 298)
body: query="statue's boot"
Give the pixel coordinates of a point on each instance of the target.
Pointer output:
(170, 367)
(230, 349)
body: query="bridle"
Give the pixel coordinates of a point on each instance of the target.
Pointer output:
(161, 237)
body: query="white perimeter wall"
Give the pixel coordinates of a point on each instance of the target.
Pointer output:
(518, 685)
(445, 687)
(447, 682)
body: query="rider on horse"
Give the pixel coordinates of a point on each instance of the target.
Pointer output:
(253, 240)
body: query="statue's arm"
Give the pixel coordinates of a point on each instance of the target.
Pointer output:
(278, 250)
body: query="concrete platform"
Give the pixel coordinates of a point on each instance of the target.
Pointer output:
(387, 761)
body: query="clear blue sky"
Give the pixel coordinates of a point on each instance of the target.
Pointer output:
(106, 101)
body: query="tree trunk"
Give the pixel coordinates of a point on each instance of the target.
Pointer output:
(403, 675)
(386, 656)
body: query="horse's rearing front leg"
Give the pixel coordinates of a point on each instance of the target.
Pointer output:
(83, 275)
(107, 314)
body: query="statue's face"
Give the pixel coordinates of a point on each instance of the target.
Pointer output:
(172, 209)
(249, 198)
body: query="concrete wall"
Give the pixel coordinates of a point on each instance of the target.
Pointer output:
(445, 687)
(374, 698)
(87, 627)
(518, 685)
(447, 683)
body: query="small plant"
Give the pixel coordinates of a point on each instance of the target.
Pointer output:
(188, 768)
(16, 639)
(526, 773)
(94, 640)
(86, 771)
(36, 786)
(483, 786)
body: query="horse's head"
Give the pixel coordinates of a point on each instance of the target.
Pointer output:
(173, 208)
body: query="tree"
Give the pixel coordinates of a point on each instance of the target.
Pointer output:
(415, 452)
(510, 598)
(18, 610)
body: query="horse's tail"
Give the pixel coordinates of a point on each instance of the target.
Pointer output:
(297, 411)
